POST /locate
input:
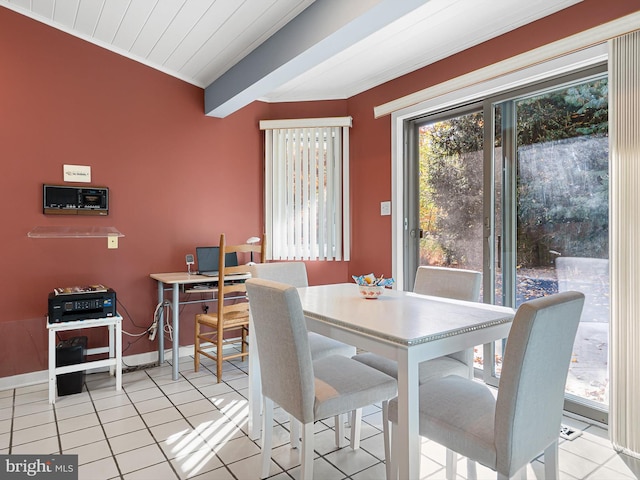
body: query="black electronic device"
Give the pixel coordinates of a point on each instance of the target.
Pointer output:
(66, 200)
(81, 303)
(209, 258)
(71, 352)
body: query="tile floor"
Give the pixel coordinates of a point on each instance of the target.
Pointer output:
(159, 429)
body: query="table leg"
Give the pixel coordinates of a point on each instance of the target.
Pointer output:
(160, 330)
(255, 386)
(118, 353)
(176, 331)
(52, 366)
(408, 449)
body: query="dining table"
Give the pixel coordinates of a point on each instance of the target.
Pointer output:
(406, 327)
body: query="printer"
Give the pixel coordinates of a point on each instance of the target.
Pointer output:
(69, 304)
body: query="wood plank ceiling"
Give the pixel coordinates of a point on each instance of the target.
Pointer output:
(198, 41)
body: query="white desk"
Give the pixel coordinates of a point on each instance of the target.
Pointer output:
(175, 281)
(114, 362)
(403, 326)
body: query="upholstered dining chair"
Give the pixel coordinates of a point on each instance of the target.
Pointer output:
(446, 282)
(507, 432)
(295, 274)
(307, 389)
(232, 312)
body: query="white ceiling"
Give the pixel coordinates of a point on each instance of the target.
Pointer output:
(198, 41)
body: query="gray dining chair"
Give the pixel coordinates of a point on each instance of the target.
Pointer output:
(458, 284)
(308, 389)
(295, 274)
(507, 432)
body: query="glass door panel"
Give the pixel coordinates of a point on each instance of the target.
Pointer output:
(451, 193)
(560, 215)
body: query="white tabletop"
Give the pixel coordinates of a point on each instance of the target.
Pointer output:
(414, 320)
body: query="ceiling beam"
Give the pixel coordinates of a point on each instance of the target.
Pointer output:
(322, 30)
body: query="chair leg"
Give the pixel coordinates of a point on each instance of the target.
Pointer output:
(294, 432)
(339, 431)
(243, 347)
(306, 466)
(219, 356)
(267, 430)
(356, 427)
(386, 437)
(472, 473)
(452, 464)
(196, 349)
(392, 463)
(551, 467)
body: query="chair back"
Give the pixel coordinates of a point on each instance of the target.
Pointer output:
(232, 302)
(292, 273)
(446, 282)
(534, 373)
(280, 333)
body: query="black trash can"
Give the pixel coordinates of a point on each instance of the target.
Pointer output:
(71, 352)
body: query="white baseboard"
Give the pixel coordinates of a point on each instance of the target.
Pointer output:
(42, 376)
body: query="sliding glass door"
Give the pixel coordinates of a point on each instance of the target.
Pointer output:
(517, 188)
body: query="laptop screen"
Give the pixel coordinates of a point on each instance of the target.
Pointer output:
(207, 258)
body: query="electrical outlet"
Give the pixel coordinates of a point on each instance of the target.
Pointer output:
(112, 242)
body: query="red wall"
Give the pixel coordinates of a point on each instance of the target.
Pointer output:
(177, 178)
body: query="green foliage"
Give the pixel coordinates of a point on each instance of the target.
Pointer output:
(562, 179)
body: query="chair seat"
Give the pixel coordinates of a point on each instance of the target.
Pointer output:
(230, 320)
(460, 417)
(342, 385)
(322, 346)
(429, 370)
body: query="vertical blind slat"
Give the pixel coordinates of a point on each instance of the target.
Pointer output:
(304, 193)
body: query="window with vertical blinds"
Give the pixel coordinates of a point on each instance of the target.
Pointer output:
(307, 188)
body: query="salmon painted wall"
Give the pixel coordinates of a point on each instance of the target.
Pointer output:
(65, 101)
(177, 179)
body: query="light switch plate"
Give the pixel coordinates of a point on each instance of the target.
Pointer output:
(112, 242)
(385, 208)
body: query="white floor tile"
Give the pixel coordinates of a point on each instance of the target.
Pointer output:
(139, 458)
(131, 441)
(159, 471)
(196, 428)
(90, 452)
(81, 437)
(120, 427)
(158, 417)
(98, 470)
(196, 462)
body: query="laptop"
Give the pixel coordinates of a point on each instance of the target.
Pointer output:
(207, 258)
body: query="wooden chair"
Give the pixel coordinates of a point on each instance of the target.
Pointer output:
(232, 313)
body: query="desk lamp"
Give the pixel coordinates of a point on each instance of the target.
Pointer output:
(251, 241)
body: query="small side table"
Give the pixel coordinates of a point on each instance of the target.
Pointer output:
(114, 362)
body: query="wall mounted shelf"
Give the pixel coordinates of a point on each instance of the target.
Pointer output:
(74, 232)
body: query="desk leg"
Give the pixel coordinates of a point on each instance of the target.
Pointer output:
(176, 331)
(255, 386)
(408, 449)
(160, 331)
(52, 366)
(118, 354)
